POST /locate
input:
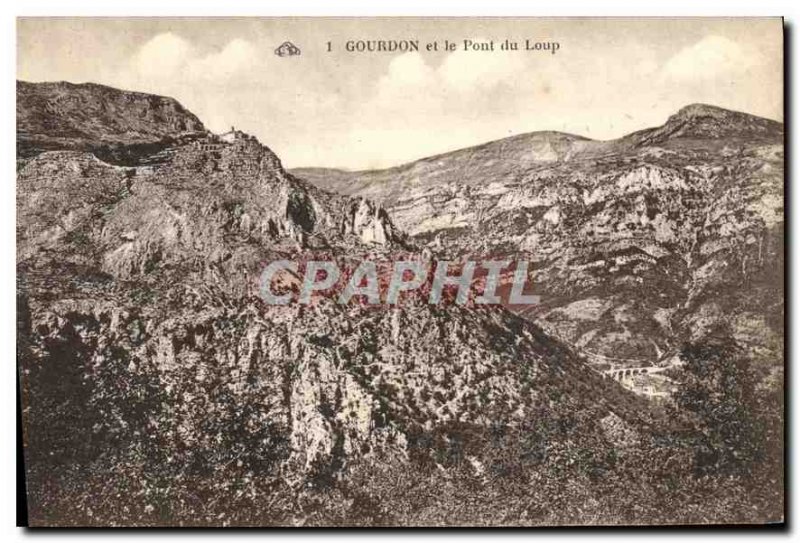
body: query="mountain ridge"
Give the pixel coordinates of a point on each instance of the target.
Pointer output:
(688, 112)
(704, 121)
(98, 118)
(607, 223)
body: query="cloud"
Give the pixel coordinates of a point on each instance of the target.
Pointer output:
(409, 69)
(711, 57)
(162, 56)
(409, 84)
(461, 71)
(168, 55)
(424, 104)
(412, 91)
(237, 56)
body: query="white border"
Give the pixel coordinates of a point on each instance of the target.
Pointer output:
(651, 8)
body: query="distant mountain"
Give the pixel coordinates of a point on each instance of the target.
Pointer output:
(705, 122)
(638, 244)
(474, 167)
(96, 118)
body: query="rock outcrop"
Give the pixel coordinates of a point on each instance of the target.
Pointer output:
(119, 125)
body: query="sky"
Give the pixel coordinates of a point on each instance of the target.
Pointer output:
(364, 110)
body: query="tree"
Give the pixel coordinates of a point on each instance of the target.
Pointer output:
(716, 389)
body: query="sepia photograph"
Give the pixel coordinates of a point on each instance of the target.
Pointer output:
(400, 271)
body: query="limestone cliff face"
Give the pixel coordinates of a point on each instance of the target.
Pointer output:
(637, 244)
(223, 205)
(369, 222)
(313, 390)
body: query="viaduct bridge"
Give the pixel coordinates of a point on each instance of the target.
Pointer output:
(618, 374)
(623, 368)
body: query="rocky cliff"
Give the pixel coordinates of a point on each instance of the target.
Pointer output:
(638, 244)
